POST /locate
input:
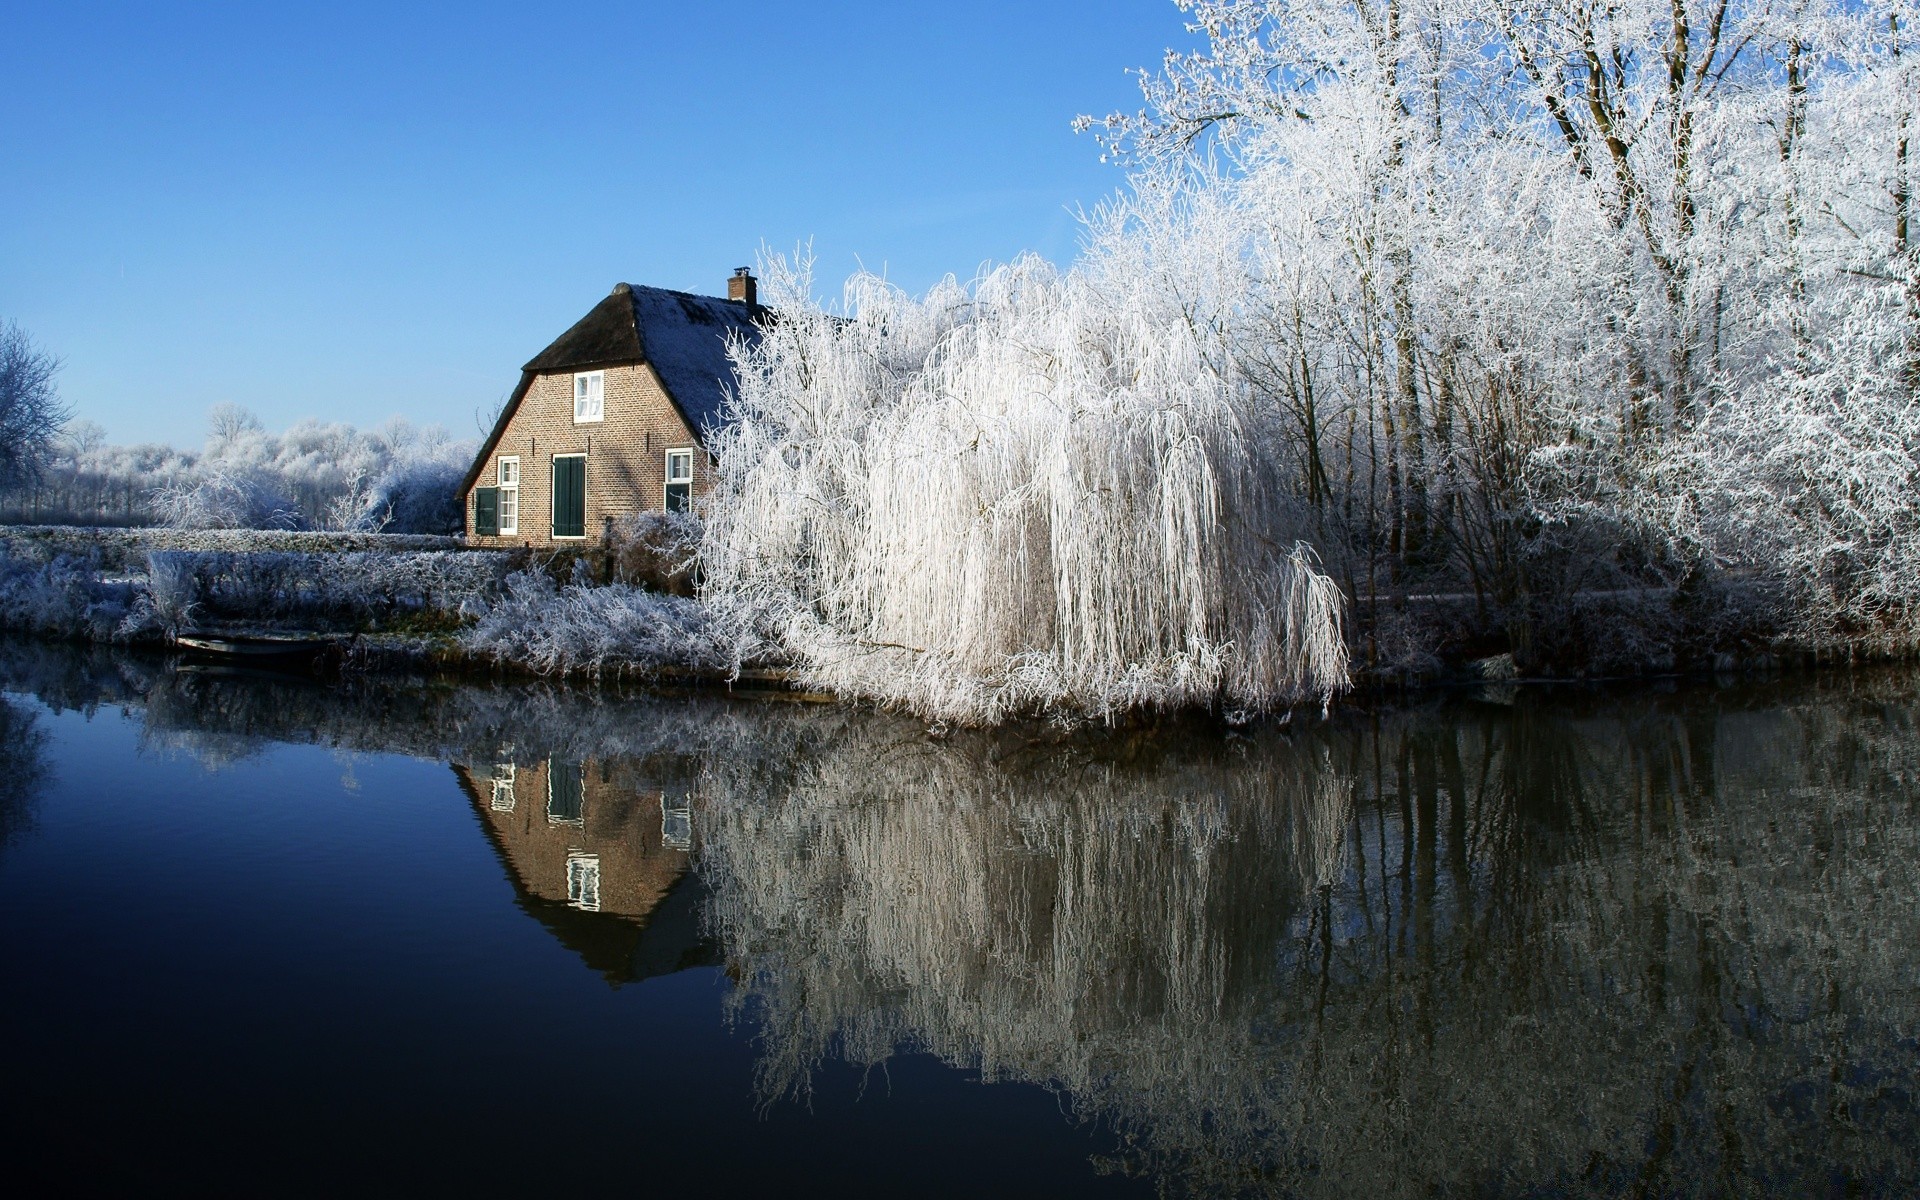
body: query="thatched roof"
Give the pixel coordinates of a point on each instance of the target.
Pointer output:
(683, 337)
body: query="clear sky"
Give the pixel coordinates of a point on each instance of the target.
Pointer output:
(356, 210)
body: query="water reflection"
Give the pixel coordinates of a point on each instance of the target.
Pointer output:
(23, 767)
(1587, 946)
(1660, 946)
(593, 860)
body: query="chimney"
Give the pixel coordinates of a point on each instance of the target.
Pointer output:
(742, 288)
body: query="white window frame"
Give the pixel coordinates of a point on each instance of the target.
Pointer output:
(669, 478)
(676, 822)
(509, 493)
(583, 880)
(502, 800)
(589, 397)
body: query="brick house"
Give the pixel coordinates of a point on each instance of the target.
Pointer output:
(612, 418)
(599, 852)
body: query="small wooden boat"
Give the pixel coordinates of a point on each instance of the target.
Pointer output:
(264, 649)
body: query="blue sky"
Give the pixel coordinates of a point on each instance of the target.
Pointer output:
(355, 211)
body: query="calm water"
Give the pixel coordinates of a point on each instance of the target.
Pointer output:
(268, 935)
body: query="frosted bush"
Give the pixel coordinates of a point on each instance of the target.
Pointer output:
(656, 550)
(1040, 492)
(64, 598)
(595, 630)
(223, 498)
(416, 495)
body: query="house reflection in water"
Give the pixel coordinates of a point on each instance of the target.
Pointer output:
(600, 853)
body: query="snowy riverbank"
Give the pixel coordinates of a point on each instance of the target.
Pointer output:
(445, 608)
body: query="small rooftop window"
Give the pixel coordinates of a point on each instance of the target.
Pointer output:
(589, 397)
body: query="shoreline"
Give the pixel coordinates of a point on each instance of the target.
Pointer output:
(377, 605)
(393, 657)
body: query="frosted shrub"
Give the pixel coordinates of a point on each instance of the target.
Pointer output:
(64, 598)
(656, 550)
(417, 495)
(1041, 492)
(127, 549)
(225, 499)
(616, 629)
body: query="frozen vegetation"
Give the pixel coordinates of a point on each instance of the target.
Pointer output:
(613, 629)
(1552, 341)
(318, 475)
(67, 597)
(320, 589)
(489, 606)
(1028, 495)
(126, 549)
(1423, 333)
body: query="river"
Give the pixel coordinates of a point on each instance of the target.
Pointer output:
(266, 934)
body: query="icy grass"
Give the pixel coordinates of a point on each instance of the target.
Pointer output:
(1034, 494)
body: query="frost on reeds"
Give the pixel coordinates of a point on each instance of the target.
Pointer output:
(1036, 493)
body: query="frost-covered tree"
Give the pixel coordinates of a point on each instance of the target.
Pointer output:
(1522, 275)
(1036, 492)
(31, 414)
(1587, 331)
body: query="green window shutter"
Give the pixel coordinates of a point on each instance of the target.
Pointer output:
(566, 795)
(486, 512)
(570, 497)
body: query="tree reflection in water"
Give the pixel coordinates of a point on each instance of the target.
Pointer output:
(23, 767)
(1660, 945)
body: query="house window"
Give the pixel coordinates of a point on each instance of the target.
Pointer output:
(589, 397)
(679, 480)
(676, 821)
(583, 880)
(566, 793)
(569, 495)
(509, 503)
(503, 787)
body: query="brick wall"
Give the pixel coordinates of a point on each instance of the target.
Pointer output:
(626, 453)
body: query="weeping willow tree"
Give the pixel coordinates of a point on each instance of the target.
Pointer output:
(1039, 492)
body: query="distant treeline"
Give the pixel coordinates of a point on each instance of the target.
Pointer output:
(316, 475)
